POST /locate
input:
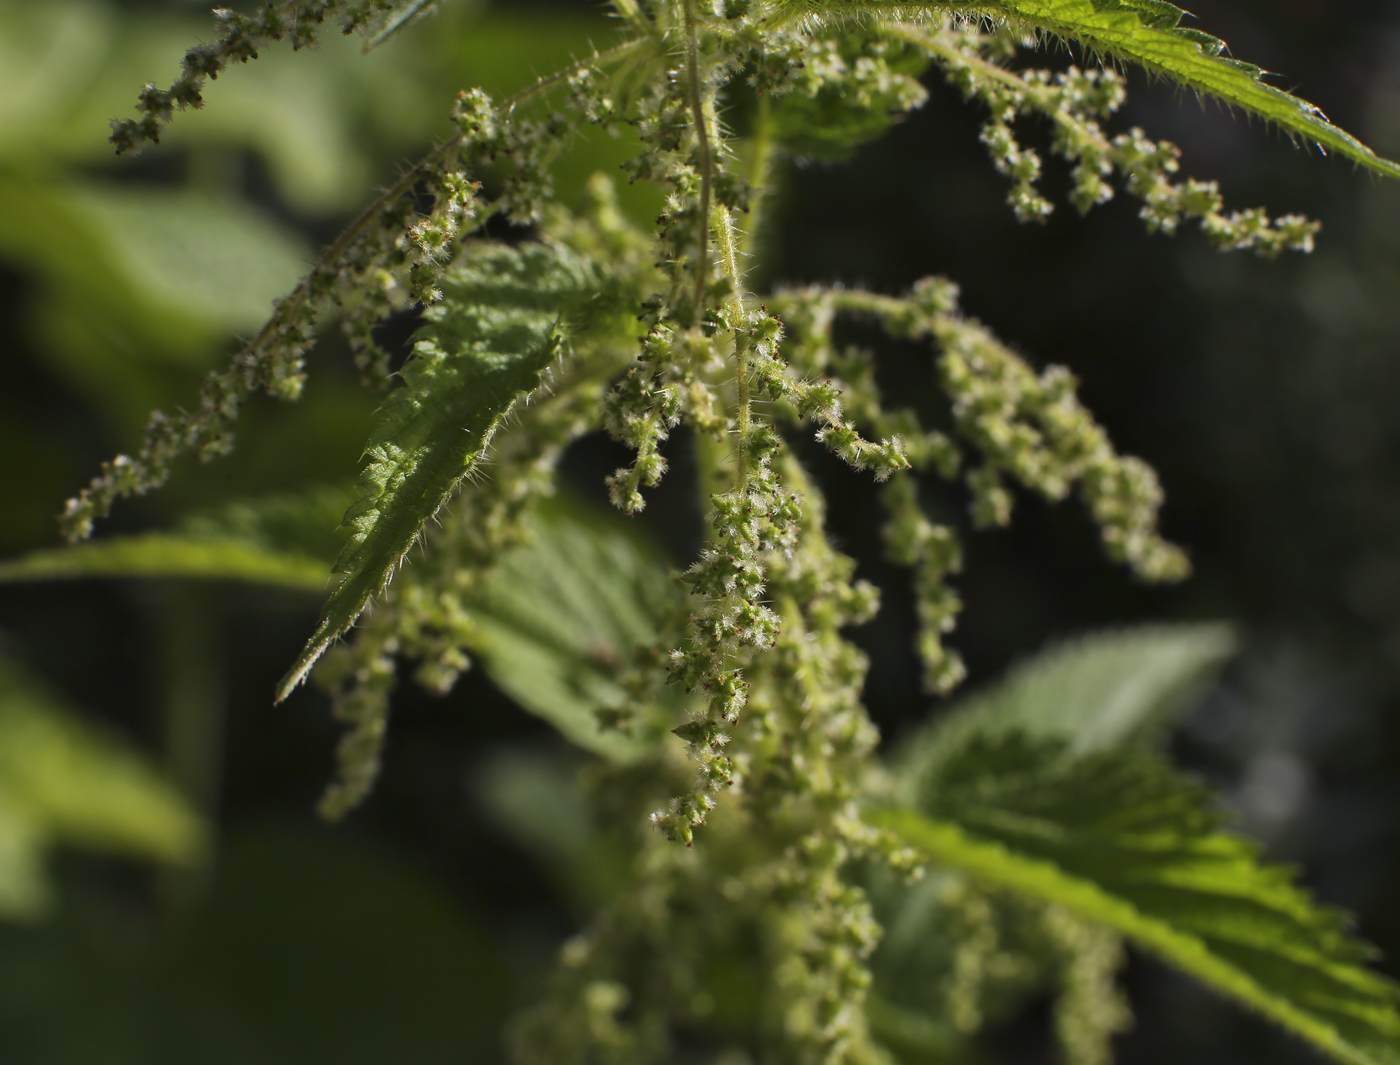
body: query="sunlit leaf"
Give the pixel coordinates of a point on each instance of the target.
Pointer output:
(1119, 838)
(220, 261)
(165, 555)
(1093, 692)
(285, 540)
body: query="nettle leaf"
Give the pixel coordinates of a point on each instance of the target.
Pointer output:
(502, 322)
(1148, 33)
(63, 779)
(1121, 839)
(1094, 692)
(564, 618)
(285, 540)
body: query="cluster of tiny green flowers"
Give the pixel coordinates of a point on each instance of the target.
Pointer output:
(1077, 102)
(238, 39)
(911, 539)
(519, 149)
(934, 553)
(865, 80)
(434, 236)
(803, 773)
(1032, 429)
(361, 272)
(643, 408)
(729, 580)
(426, 615)
(1028, 428)
(1148, 166)
(797, 755)
(404, 267)
(1090, 1008)
(818, 401)
(782, 723)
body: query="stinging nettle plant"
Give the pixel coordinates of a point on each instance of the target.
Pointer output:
(1014, 845)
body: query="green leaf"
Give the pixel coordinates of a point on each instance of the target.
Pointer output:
(564, 617)
(400, 20)
(311, 944)
(537, 800)
(64, 779)
(23, 889)
(167, 555)
(1094, 692)
(483, 348)
(138, 288)
(216, 260)
(1119, 838)
(1145, 32)
(284, 540)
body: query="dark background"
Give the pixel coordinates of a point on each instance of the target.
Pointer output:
(1263, 393)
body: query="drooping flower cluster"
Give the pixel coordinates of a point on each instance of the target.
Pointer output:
(1076, 102)
(772, 756)
(238, 39)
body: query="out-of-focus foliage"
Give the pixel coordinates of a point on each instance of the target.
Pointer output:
(284, 540)
(1108, 691)
(65, 780)
(311, 946)
(297, 945)
(567, 621)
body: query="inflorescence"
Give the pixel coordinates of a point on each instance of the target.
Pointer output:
(777, 721)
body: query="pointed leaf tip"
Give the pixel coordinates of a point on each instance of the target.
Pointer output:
(484, 347)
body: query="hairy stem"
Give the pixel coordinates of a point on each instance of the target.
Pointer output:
(702, 134)
(728, 241)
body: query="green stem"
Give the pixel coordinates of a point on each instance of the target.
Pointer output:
(727, 239)
(760, 163)
(702, 134)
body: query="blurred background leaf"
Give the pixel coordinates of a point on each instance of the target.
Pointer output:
(312, 947)
(1096, 692)
(564, 619)
(67, 780)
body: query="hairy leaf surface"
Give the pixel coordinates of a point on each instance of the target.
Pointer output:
(1146, 32)
(1122, 839)
(483, 348)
